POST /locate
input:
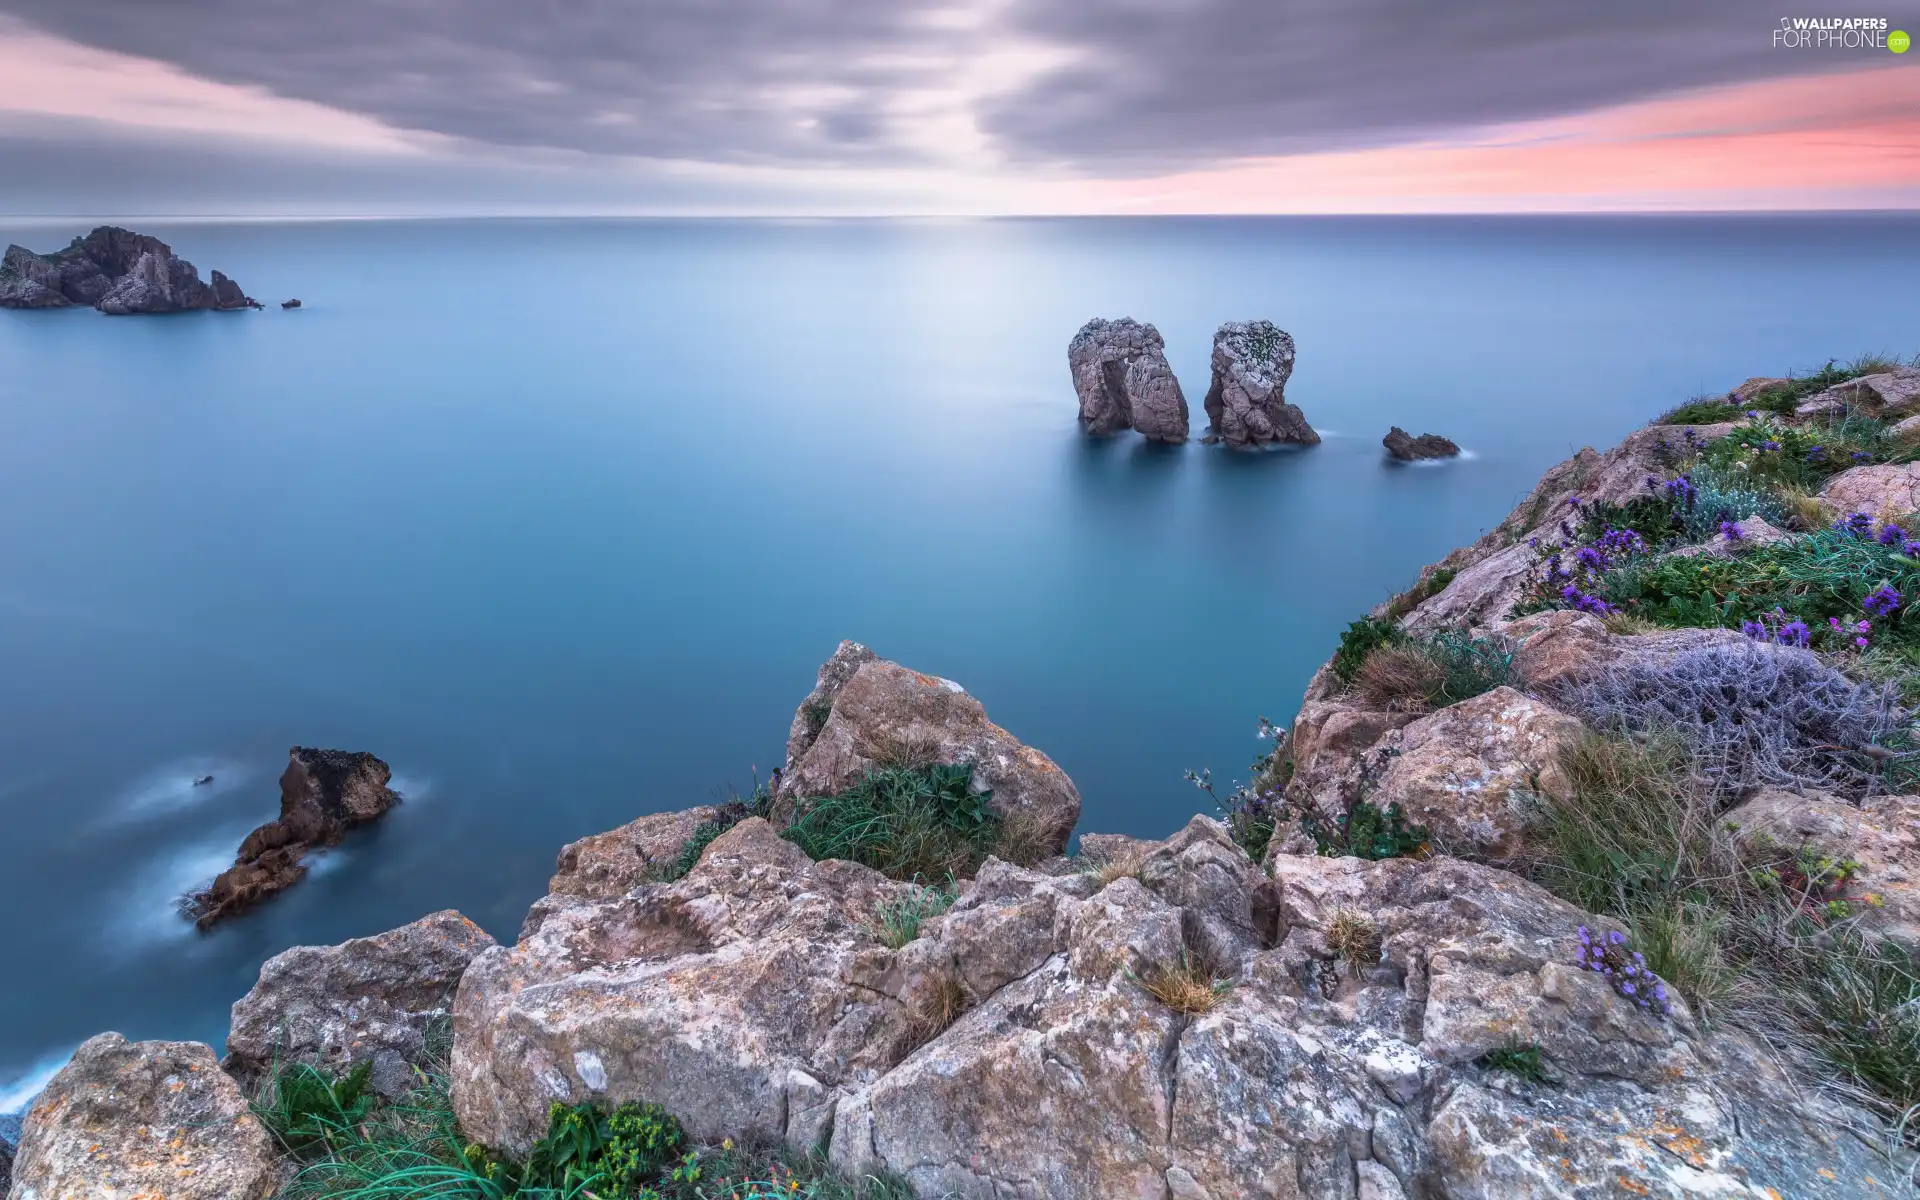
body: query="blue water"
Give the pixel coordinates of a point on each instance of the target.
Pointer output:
(560, 517)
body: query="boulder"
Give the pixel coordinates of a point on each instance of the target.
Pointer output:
(1907, 429)
(1884, 394)
(290, 304)
(117, 271)
(865, 711)
(371, 999)
(1121, 375)
(323, 794)
(1557, 647)
(1881, 834)
(1751, 532)
(614, 863)
(1407, 448)
(1754, 386)
(1473, 772)
(1247, 403)
(1480, 597)
(1886, 490)
(143, 1119)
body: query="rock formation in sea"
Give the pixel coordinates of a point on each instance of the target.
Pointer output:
(1247, 402)
(1407, 448)
(1121, 375)
(323, 794)
(116, 271)
(290, 304)
(1369, 982)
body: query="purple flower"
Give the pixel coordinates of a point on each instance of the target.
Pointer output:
(1680, 490)
(1860, 642)
(1856, 524)
(1817, 454)
(1794, 633)
(1753, 414)
(1892, 535)
(1882, 600)
(1862, 456)
(1756, 631)
(1911, 549)
(1731, 532)
(1582, 602)
(1770, 445)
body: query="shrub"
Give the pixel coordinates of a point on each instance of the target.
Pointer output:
(1254, 810)
(1429, 586)
(1704, 411)
(1433, 672)
(1398, 676)
(1753, 715)
(897, 922)
(1861, 997)
(1364, 831)
(1361, 638)
(1720, 495)
(905, 823)
(1612, 956)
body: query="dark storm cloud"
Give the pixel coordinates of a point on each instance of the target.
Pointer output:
(1137, 85)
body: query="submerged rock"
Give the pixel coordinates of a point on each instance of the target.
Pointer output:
(865, 711)
(323, 793)
(372, 999)
(1121, 375)
(118, 272)
(1407, 448)
(1247, 404)
(143, 1119)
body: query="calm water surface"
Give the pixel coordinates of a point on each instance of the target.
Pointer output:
(560, 517)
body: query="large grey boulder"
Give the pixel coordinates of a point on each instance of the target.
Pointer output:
(1121, 375)
(126, 1120)
(1247, 402)
(613, 863)
(1404, 446)
(116, 270)
(865, 711)
(371, 999)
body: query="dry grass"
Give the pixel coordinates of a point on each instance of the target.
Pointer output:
(1354, 937)
(1024, 839)
(933, 1011)
(1628, 624)
(911, 749)
(1122, 865)
(1191, 987)
(1806, 510)
(1398, 678)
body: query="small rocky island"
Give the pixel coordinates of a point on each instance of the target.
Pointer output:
(1247, 403)
(1404, 446)
(117, 271)
(323, 794)
(1121, 375)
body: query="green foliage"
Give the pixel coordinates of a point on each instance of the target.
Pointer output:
(1721, 495)
(1812, 578)
(643, 1141)
(567, 1157)
(1468, 665)
(905, 822)
(1863, 996)
(305, 1108)
(1432, 585)
(1362, 638)
(1365, 831)
(1523, 1061)
(897, 922)
(757, 803)
(1707, 411)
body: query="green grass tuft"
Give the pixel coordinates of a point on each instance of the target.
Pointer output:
(1523, 1061)
(897, 922)
(904, 822)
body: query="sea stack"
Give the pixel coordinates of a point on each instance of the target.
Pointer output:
(117, 271)
(1407, 448)
(1247, 403)
(1121, 375)
(323, 793)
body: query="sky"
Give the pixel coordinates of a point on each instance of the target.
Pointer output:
(938, 107)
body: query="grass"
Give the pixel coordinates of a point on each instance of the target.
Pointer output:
(907, 823)
(413, 1149)
(1783, 399)
(1432, 672)
(1749, 932)
(1354, 937)
(1429, 586)
(1522, 1061)
(1124, 865)
(897, 922)
(933, 1011)
(1191, 987)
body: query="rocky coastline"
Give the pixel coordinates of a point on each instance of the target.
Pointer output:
(117, 271)
(1428, 950)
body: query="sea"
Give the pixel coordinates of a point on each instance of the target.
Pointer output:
(559, 517)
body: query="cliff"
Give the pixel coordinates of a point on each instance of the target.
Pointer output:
(116, 271)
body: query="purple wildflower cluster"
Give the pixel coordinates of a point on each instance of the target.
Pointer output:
(1776, 628)
(1625, 968)
(1817, 454)
(1731, 531)
(1681, 491)
(1860, 525)
(1589, 562)
(1882, 600)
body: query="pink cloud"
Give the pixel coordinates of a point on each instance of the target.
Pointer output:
(1826, 141)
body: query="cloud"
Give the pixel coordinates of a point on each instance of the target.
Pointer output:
(1097, 87)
